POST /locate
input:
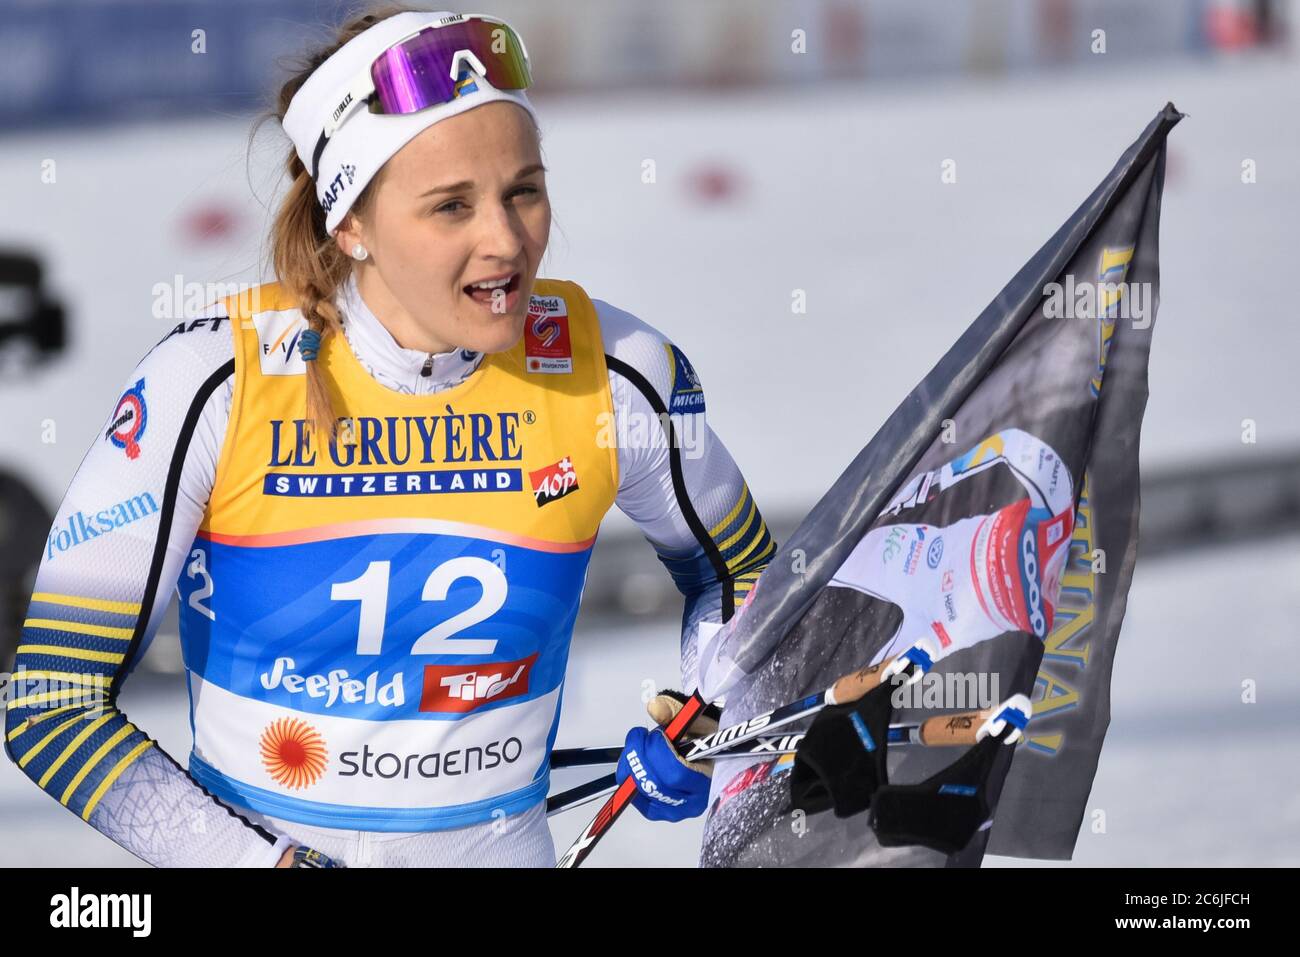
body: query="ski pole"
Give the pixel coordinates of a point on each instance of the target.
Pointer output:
(915, 661)
(945, 730)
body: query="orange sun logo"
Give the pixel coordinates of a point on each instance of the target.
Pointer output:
(293, 752)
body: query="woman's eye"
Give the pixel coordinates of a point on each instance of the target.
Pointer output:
(455, 205)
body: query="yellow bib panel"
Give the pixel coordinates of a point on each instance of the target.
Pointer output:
(376, 632)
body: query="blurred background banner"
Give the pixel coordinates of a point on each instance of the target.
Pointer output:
(774, 184)
(94, 60)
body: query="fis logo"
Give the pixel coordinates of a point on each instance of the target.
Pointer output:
(456, 689)
(554, 481)
(129, 420)
(277, 337)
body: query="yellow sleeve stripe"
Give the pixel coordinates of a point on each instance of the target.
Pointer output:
(101, 631)
(32, 720)
(81, 696)
(742, 531)
(716, 530)
(73, 745)
(65, 677)
(113, 775)
(93, 760)
(108, 657)
(40, 745)
(739, 559)
(94, 604)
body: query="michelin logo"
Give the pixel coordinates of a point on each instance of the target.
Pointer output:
(686, 393)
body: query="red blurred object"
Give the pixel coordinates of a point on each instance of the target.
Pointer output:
(208, 223)
(714, 183)
(1231, 27)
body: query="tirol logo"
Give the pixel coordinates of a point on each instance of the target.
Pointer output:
(546, 336)
(129, 420)
(293, 753)
(554, 481)
(458, 689)
(686, 394)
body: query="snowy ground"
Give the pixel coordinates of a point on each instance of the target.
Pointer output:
(1189, 774)
(838, 194)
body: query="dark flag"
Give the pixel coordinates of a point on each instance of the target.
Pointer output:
(994, 515)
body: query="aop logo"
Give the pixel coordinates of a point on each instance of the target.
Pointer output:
(554, 482)
(1033, 595)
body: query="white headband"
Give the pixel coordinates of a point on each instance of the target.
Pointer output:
(366, 141)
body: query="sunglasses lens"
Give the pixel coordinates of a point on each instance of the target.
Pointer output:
(416, 74)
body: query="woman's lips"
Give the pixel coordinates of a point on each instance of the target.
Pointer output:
(507, 295)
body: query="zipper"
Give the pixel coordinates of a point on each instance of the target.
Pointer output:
(428, 366)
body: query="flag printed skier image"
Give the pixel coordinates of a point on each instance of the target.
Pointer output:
(981, 576)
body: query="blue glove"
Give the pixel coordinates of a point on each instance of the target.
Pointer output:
(668, 789)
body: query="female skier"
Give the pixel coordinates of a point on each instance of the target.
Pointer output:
(376, 484)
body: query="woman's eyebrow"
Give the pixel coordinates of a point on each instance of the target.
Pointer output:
(469, 183)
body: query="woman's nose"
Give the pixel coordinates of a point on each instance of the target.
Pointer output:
(503, 231)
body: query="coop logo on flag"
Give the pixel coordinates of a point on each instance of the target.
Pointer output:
(546, 336)
(554, 481)
(129, 420)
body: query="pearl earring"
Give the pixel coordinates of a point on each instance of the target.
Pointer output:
(359, 252)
